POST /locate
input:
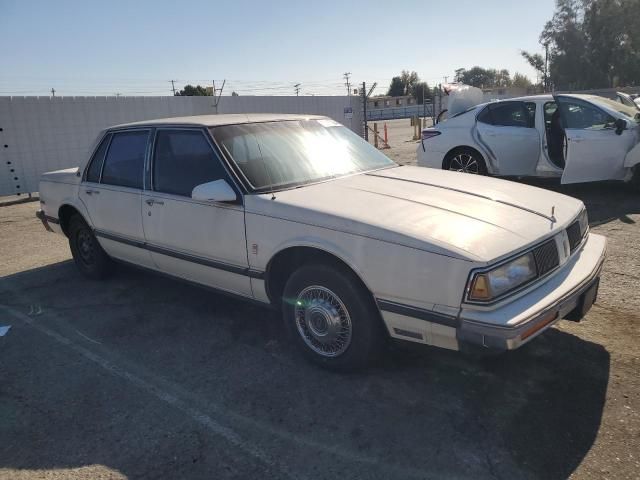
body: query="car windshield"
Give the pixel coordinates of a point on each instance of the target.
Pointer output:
(627, 111)
(286, 154)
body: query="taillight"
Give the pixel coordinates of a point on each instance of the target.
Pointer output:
(429, 133)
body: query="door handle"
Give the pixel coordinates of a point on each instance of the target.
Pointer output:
(153, 201)
(91, 192)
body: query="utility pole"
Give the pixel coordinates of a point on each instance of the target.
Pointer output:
(53, 92)
(445, 79)
(216, 98)
(546, 72)
(364, 111)
(173, 87)
(297, 87)
(346, 77)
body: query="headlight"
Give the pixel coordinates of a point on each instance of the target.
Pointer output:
(486, 286)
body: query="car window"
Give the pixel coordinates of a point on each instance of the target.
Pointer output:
(549, 109)
(582, 115)
(95, 167)
(509, 114)
(183, 159)
(291, 153)
(485, 116)
(531, 110)
(124, 164)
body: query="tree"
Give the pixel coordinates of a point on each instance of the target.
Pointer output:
(396, 89)
(197, 91)
(520, 81)
(459, 74)
(593, 43)
(484, 77)
(235, 94)
(420, 89)
(408, 83)
(537, 63)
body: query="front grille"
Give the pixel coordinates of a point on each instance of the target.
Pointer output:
(546, 256)
(573, 232)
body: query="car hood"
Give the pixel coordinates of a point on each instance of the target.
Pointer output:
(460, 215)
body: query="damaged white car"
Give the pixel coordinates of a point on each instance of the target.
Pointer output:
(578, 138)
(300, 213)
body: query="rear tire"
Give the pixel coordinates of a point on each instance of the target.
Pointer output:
(331, 317)
(92, 261)
(465, 160)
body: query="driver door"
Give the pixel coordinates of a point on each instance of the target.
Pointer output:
(200, 241)
(593, 151)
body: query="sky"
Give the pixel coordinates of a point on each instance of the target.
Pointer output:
(259, 47)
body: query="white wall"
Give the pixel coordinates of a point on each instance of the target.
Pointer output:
(45, 133)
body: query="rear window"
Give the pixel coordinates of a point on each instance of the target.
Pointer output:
(124, 164)
(95, 167)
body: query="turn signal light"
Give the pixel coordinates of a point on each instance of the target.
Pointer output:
(550, 317)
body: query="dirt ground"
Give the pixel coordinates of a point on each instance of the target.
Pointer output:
(141, 376)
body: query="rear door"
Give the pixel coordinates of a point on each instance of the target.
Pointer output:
(594, 150)
(112, 192)
(507, 130)
(201, 241)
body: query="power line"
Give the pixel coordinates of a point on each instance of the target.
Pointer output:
(346, 77)
(297, 88)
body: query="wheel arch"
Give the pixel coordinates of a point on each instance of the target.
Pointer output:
(65, 212)
(287, 260)
(453, 150)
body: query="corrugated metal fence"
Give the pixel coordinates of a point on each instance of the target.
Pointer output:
(39, 134)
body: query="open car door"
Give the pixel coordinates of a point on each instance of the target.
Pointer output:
(593, 150)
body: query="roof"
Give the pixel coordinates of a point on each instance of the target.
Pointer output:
(225, 119)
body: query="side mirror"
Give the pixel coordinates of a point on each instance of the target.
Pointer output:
(620, 125)
(216, 191)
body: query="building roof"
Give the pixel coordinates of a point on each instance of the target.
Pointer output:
(224, 119)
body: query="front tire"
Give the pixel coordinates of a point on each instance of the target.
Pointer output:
(332, 317)
(92, 261)
(465, 160)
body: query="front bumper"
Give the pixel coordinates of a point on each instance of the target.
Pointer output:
(568, 294)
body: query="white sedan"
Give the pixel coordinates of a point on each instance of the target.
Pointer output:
(578, 138)
(299, 213)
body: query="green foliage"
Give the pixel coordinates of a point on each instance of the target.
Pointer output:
(521, 81)
(408, 83)
(484, 77)
(197, 91)
(397, 88)
(594, 43)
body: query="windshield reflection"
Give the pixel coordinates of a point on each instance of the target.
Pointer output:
(285, 154)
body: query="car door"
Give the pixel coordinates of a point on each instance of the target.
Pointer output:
(111, 191)
(200, 241)
(507, 130)
(594, 151)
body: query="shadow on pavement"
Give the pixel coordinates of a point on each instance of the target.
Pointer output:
(532, 413)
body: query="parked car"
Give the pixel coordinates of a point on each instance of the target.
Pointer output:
(628, 100)
(300, 213)
(588, 138)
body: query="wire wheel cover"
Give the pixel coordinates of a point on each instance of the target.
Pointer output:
(323, 321)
